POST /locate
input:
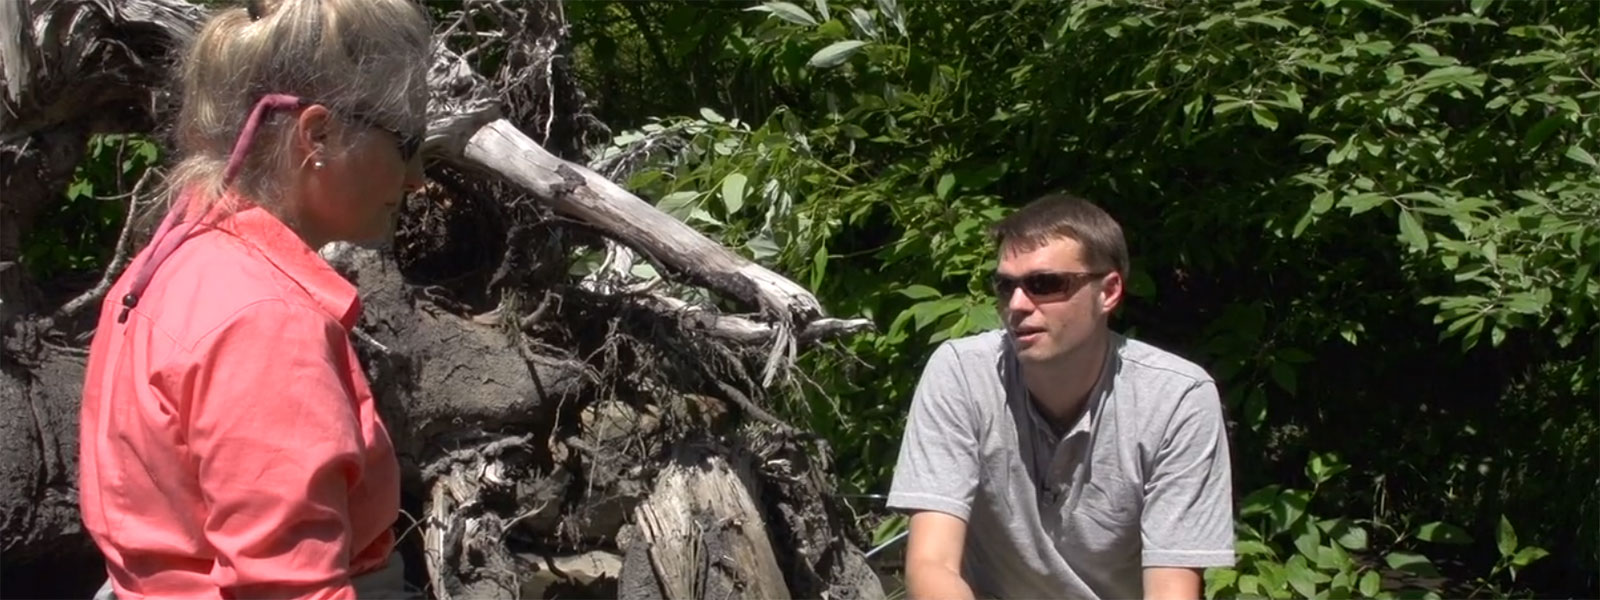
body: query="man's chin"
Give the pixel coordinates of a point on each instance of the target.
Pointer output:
(1035, 352)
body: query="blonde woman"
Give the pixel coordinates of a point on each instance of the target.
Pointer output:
(229, 443)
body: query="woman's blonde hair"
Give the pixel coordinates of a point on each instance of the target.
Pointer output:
(356, 57)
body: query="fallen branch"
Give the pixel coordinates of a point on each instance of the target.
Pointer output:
(573, 189)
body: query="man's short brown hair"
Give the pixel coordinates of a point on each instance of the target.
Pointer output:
(1057, 216)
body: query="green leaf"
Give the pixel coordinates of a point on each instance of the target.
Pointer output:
(822, 8)
(733, 191)
(1443, 533)
(1308, 540)
(1223, 108)
(1506, 538)
(678, 204)
(1218, 580)
(947, 182)
(1577, 153)
(919, 292)
(1322, 467)
(1253, 548)
(1370, 584)
(1248, 584)
(865, 25)
(1429, 197)
(925, 313)
(711, 116)
(1264, 117)
(1411, 231)
(1349, 535)
(1363, 202)
(1283, 374)
(1289, 508)
(983, 317)
(786, 11)
(1542, 130)
(1292, 99)
(835, 54)
(1259, 502)
(1411, 562)
(1528, 556)
(819, 266)
(1255, 409)
(1300, 576)
(1275, 22)
(762, 247)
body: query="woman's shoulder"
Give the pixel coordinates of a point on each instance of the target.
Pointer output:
(215, 278)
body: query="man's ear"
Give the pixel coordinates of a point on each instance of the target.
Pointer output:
(1111, 289)
(311, 130)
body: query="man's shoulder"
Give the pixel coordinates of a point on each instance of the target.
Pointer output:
(1145, 361)
(979, 348)
(972, 367)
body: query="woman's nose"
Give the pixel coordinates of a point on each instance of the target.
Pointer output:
(414, 179)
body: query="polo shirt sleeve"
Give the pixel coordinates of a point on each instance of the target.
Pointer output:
(938, 465)
(1188, 511)
(272, 427)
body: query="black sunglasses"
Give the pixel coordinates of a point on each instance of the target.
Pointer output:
(408, 144)
(1042, 285)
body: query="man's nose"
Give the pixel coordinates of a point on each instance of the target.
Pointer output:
(1019, 302)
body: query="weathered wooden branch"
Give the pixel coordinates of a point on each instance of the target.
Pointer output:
(573, 189)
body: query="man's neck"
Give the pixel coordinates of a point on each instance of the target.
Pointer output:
(1061, 389)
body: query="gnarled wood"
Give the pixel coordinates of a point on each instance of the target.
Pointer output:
(703, 534)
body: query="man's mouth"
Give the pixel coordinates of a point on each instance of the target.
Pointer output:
(1027, 333)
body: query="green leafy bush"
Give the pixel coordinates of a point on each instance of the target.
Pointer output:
(1374, 223)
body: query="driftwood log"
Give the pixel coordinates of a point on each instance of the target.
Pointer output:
(558, 437)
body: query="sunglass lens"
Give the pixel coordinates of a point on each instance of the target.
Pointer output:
(1044, 284)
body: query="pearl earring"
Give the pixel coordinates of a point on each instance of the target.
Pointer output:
(317, 164)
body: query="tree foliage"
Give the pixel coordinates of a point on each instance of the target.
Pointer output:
(1360, 216)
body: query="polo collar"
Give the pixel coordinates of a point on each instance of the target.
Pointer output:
(282, 247)
(1094, 403)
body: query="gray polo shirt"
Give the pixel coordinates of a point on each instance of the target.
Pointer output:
(1141, 480)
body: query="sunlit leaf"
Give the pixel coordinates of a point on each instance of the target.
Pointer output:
(786, 11)
(835, 54)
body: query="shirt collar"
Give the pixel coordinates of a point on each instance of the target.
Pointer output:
(282, 247)
(1093, 403)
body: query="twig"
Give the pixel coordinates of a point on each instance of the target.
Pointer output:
(119, 260)
(362, 335)
(537, 315)
(760, 414)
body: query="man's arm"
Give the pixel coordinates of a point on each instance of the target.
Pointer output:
(936, 478)
(1187, 519)
(933, 557)
(1170, 583)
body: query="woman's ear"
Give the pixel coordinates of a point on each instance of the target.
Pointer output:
(311, 131)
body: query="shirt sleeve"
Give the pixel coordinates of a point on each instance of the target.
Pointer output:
(1188, 511)
(273, 430)
(938, 464)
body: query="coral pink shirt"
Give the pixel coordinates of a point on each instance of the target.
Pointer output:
(230, 446)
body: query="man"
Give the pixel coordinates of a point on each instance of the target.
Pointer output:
(1055, 458)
